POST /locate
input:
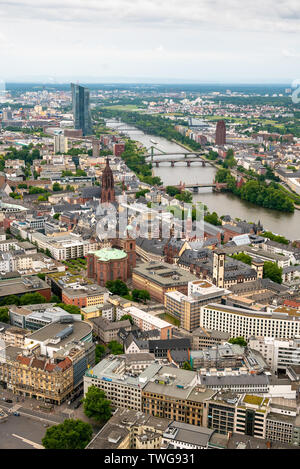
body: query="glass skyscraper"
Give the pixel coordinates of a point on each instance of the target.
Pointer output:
(81, 109)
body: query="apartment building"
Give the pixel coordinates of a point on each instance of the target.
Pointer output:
(64, 246)
(130, 429)
(247, 323)
(202, 338)
(146, 321)
(279, 354)
(107, 330)
(83, 295)
(253, 415)
(121, 388)
(160, 278)
(174, 393)
(186, 308)
(36, 376)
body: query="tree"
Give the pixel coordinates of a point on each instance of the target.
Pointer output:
(71, 434)
(187, 366)
(140, 295)
(185, 196)
(127, 316)
(96, 406)
(57, 187)
(4, 315)
(54, 299)
(172, 191)
(41, 276)
(48, 253)
(243, 258)
(99, 352)
(213, 219)
(32, 299)
(238, 341)
(56, 216)
(72, 309)
(273, 272)
(10, 300)
(117, 287)
(115, 348)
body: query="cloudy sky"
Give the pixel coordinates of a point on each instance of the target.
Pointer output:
(161, 40)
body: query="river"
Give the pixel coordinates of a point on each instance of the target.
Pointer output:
(223, 203)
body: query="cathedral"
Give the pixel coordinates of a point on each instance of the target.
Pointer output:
(107, 189)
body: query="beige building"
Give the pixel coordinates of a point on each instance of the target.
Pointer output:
(128, 429)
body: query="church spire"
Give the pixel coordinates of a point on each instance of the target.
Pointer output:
(107, 189)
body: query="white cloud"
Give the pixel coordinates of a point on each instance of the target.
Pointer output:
(255, 15)
(210, 39)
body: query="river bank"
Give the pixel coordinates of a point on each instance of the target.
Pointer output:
(223, 203)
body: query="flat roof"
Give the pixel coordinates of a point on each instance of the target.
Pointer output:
(154, 320)
(80, 330)
(164, 274)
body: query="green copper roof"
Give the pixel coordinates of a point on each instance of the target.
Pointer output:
(109, 254)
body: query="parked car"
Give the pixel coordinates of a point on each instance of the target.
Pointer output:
(17, 414)
(9, 401)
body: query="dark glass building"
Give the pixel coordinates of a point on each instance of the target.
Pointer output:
(81, 109)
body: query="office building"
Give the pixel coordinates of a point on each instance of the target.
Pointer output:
(81, 109)
(239, 322)
(146, 321)
(221, 133)
(160, 278)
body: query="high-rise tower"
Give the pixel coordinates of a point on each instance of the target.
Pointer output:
(221, 133)
(107, 189)
(81, 109)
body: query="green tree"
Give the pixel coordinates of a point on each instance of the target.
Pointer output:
(172, 191)
(243, 258)
(57, 187)
(127, 316)
(99, 352)
(117, 287)
(115, 348)
(4, 317)
(187, 366)
(96, 406)
(213, 219)
(273, 272)
(32, 299)
(140, 295)
(54, 299)
(71, 434)
(238, 341)
(72, 309)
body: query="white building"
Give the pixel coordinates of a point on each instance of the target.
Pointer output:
(245, 323)
(279, 354)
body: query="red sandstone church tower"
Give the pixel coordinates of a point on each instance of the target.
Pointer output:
(107, 189)
(221, 133)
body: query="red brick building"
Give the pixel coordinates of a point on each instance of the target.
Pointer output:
(107, 264)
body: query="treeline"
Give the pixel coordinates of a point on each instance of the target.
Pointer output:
(136, 161)
(257, 192)
(155, 125)
(27, 154)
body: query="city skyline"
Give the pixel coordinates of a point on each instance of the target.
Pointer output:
(197, 41)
